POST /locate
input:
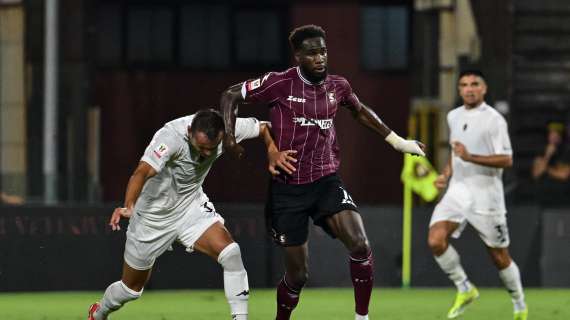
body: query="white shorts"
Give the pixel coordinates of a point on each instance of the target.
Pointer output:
(146, 243)
(457, 206)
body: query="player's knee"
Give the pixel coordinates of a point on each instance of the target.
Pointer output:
(230, 258)
(437, 243)
(501, 258)
(298, 278)
(359, 246)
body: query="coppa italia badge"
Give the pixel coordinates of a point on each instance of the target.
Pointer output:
(161, 150)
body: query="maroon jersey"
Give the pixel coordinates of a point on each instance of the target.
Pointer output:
(301, 115)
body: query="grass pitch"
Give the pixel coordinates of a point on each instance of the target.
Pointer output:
(316, 304)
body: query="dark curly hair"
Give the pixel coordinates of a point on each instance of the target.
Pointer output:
(299, 34)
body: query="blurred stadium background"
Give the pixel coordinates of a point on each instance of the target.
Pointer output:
(85, 83)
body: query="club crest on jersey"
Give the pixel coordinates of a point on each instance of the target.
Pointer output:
(295, 99)
(331, 97)
(252, 85)
(161, 150)
(321, 123)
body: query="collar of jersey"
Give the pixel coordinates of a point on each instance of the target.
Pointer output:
(478, 108)
(307, 81)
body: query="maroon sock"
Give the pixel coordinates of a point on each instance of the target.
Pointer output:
(362, 274)
(287, 299)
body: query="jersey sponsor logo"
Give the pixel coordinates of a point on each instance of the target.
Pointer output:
(161, 150)
(346, 198)
(296, 99)
(321, 123)
(252, 85)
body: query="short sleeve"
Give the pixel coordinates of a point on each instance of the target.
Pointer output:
(346, 96)
(261, 90)
(246, 128)
(500, 137)
(163, 146)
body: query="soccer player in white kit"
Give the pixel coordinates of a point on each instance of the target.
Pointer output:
(481, 149)
(165, 203)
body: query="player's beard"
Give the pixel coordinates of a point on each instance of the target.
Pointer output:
(315, 77)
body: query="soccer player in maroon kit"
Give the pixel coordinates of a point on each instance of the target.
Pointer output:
(303, 101)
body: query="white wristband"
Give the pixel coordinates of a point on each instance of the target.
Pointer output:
(406, 146)
(395, 140)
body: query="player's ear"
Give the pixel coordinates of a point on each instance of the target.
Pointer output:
(297, 56)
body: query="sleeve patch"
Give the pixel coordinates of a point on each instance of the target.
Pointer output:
(252, 85)
(161, 150)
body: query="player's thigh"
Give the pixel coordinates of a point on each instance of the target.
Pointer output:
(296, 258)
(287, 212)
(203, 229)
(492, 229)
(213, 240)
(347, 225)
(145, 243)
(448, 217)
(337, 212)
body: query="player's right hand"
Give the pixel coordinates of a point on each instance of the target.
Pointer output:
(282, 160)
(116, 217)
(233, 148)
(441, 181)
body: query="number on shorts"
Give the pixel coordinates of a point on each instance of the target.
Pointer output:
(501, 232)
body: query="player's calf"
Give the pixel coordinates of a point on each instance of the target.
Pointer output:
(236, 285)
(362, 275)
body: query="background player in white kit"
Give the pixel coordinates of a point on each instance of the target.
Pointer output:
(481, 149)
(165, 203)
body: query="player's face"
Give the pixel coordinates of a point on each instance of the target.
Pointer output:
(202, 144)
(472, 90)
(312, 57)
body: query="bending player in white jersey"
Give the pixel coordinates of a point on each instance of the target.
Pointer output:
(481, 149)
(165, 203)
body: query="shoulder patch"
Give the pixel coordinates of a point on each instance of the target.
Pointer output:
(161, 150)
(252, 85)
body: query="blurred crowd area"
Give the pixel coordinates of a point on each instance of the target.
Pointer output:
(84, 84)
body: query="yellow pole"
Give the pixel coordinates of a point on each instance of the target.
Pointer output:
(407, 217)
(407, 235)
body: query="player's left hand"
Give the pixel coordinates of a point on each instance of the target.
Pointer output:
(282, 160)
(116, 217)
(414, 147)
(460, 150)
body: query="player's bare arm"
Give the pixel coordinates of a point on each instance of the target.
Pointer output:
(494, 160)
(368, 118)
(229, 102)
(442, 179)
(142, 173)
(277, 159)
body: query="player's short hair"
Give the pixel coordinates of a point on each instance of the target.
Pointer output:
(209, 121)
(299, 34)
(472, 72)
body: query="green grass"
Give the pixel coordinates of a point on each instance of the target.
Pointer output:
(320, 304)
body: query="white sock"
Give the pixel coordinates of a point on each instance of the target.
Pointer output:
(359, 317)
(236, 285)
(512, 279)
(116, 295)
(450, 263)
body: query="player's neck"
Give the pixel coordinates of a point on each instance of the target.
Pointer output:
(473, 106)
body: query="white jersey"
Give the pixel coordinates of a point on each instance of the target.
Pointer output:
(484, 132)
(167, 196)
